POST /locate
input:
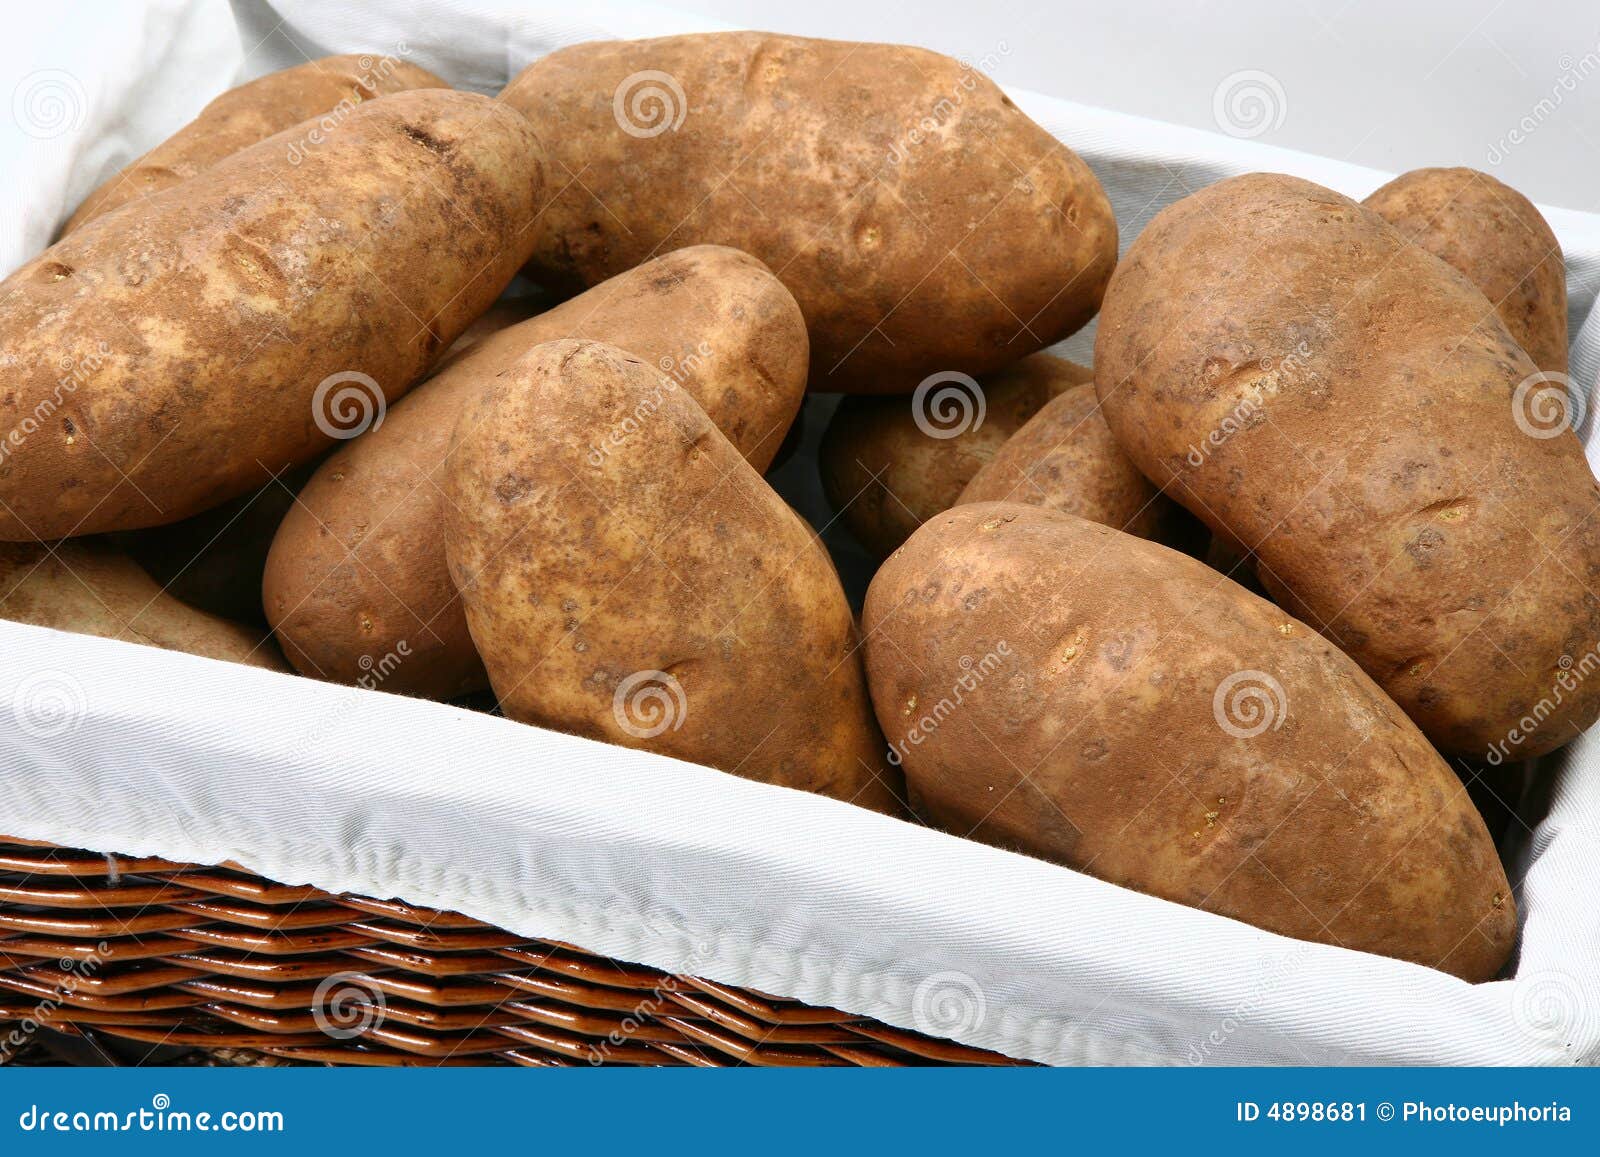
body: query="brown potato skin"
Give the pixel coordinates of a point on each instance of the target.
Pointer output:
(200, 328)
(964, 251)
(250, 113)
(1378, 472)
(1498, 239)
(886, 477)
(669, 555)
(1335, 823)
(1064, 458)
(90, 589)
(358, 565)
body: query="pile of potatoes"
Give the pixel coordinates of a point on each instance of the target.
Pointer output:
(492, 400)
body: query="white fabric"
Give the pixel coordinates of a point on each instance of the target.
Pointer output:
(121, 748)
(89, 93)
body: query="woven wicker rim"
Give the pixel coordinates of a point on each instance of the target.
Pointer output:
(161, 954)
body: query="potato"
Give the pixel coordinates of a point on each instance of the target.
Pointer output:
(657, 594)
(329, 88)
(1059, 688)
(358, 567)
(923, 222)
(1345, 405)
(1064, 458)
(890, 464)
(1498, 239)
(162, 362)
(89, 589)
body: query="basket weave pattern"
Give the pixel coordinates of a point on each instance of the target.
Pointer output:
(218, 959)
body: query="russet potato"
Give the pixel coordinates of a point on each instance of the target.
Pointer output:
(1495, 237)
(1064, 458)
(164, 360)
(328, 88)
(358, 565)
(1061, 689)
(890, 464)
(923, 222)
(1339, 401)
(658, 594)
(90, 589)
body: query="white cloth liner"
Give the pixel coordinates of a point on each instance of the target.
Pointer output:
(128, 749)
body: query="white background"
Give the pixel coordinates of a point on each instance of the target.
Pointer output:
(1390, 84)
(1393, 84)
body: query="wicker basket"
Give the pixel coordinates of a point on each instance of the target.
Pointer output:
(156, 954)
